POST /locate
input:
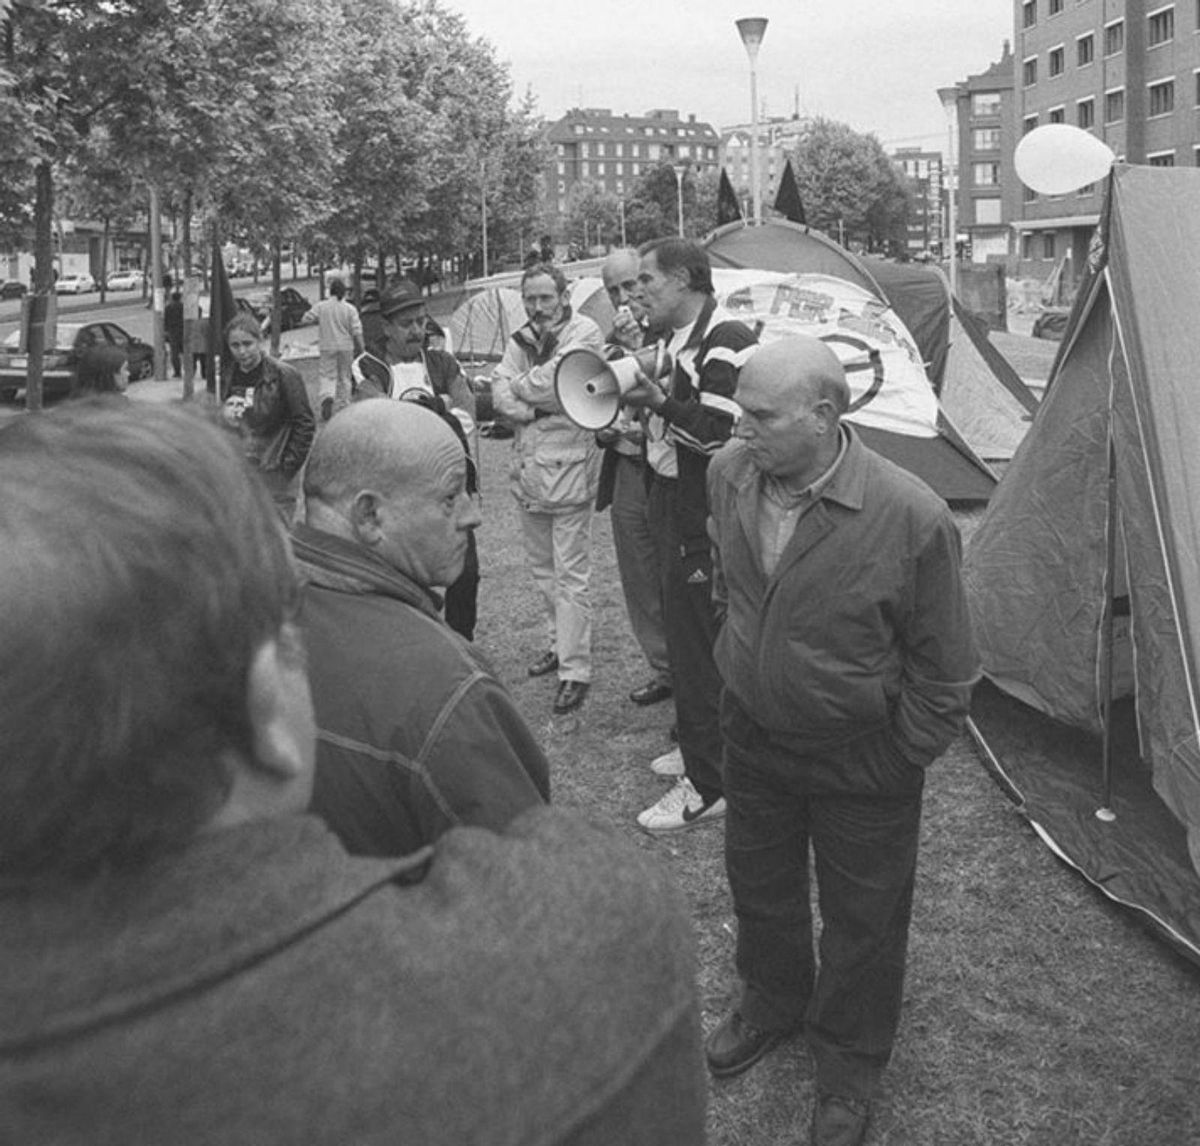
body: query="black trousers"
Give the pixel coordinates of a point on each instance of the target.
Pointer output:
(857, 807)
(691, 627)
(462, 609)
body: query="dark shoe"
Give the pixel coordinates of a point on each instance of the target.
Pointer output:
(571, 694)
(735, 1045)
(547, 662)
(839, 1121)
(326, 409)
(652, 693)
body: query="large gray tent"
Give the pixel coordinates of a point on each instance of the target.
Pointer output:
(1084, 576)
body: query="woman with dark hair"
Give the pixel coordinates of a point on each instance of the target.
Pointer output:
(269, 401)
(101, 370)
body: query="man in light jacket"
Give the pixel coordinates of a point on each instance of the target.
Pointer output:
(555, 474)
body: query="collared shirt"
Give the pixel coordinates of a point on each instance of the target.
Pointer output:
(780, 507)
(660, 450)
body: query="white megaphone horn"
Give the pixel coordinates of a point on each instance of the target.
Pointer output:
(590, 390)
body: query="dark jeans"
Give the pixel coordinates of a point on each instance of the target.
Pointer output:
(859, 807)
(691, 628)
(462, 597)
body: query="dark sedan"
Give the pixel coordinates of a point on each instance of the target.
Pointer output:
(58, 367)
(12, 288)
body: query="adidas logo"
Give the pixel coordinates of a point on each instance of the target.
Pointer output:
(699, 577)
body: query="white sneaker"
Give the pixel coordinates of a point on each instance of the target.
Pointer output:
(668, 764)
(680, 808)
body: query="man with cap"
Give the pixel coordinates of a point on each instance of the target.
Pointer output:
(623, 488)
(415, 732)
(556, 468)
(403, 321)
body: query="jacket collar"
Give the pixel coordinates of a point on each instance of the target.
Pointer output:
(332, 562)
(542, 347)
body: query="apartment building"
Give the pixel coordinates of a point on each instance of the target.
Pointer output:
(592, 145)
(1126, 70)
(983, 181)
(925, 173)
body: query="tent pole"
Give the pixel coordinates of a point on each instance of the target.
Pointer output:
(1108, 621)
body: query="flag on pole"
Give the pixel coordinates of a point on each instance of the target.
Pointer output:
(729, 210)
(787, 198)
(221, 309)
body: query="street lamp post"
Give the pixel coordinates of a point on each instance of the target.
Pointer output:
(680, 170)
(483, 213)
(752, 29)
(949, 98)
(621, 209)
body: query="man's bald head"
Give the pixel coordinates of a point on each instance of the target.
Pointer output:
(391, 476)
(377, 444)
(620, 266)
(792, 394)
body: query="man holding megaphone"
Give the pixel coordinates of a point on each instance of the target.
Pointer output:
(691, 415)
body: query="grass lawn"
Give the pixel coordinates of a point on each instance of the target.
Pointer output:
(1036, 1012)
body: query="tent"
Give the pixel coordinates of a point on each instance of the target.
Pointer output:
(1084, 575)
(481, 325)
(919, 298)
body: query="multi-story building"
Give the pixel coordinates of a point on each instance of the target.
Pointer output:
(1126, 70)
(592, 145)
(925, 175)
(983, 182)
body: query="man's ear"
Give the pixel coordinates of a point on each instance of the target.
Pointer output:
(279, 706)
(364, 516)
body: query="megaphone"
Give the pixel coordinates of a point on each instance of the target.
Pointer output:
(590, 390)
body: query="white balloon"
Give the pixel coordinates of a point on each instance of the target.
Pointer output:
(1057, 158)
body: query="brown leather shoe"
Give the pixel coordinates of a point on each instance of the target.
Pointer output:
(571, 694)
(839, 1121)
(546, 663)
(735, 1045)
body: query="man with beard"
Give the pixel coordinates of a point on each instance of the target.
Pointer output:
(556, 467)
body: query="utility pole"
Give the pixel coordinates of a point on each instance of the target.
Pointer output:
(156, 286)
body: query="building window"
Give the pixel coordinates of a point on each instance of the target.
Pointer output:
(985, 103)
(1029, 13)
(1056, 60)
(1085, 50)
(599, 148)
(579, 129)
(600, 168)
(985, 174)
(562, 169)
(1047, 244)
(620, 168)
(635, 149)
(1162, 98)
(987, 211)
(585, 150)
(1056, 115)
(1028, 194)
(1161, 27)
(637, 169)
(1161, 159)
(1086, 190)
(561, 149)
(1054, 7)
(1085, 113)
(1114, 106)
(985, 139)
(562, 205)
(585, 168)
(1029, 71)
(1028, 124)
(1114, 37)
(1027, 245)
(562, 186)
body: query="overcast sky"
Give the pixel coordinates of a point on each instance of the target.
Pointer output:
(874, 64)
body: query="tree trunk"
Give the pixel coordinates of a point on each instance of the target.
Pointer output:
(43, 283)
(276, 284)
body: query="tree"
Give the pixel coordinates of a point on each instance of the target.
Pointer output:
(652, 209)
(593, 216)
(849, 185)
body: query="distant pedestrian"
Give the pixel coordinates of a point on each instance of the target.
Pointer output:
(339, 339)
(173, 329)
(101, 370)
(268, 400)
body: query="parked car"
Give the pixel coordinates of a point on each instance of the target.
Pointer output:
(125, 280)
(58, 366)
(13, 288)
(75, 284)
(293, 306)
